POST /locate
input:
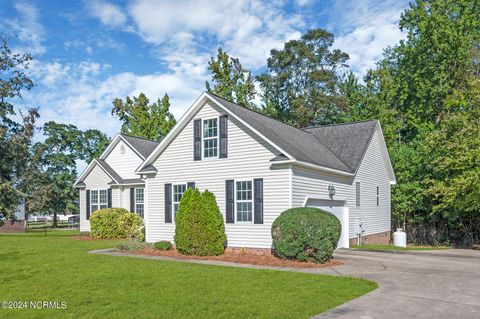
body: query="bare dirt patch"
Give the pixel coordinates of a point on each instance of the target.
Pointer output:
(251, 258)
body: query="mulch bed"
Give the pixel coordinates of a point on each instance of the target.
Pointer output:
(241, 258)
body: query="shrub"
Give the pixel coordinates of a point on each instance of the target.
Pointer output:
(306, 233)
(116, 223)
(84, 234)
(132, 226)
(199, 228)
(163, 245)
(132, 245)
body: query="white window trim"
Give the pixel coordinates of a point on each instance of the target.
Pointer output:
(210, 138)
(244, 201)
(135, 200)
(98, 203)
(173, 202)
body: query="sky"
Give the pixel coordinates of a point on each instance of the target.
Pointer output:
(86, 53)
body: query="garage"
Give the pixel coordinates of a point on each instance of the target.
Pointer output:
(337, 208)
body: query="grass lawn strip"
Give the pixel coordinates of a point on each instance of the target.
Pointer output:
(58, 268)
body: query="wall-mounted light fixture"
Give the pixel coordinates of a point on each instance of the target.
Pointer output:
(331, 191)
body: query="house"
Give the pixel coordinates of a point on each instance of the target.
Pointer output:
(258, 167)
(17, 222)
(110, 180)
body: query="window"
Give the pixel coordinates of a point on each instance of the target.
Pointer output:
(98, 199)
(357, 194)
(210, 138)
(139, 201)
(178, 190)
(378, 196)
(244, 201)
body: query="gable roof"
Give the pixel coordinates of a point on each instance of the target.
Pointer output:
(348, 141)
(142, 145)
(338, 148)
(300, 144)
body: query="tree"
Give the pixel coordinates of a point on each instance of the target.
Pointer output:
(64, 145)
(230, 80)
(302, 83)
(139, 118)
(14, 137)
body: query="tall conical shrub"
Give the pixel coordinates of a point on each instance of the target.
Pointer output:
(199, 228)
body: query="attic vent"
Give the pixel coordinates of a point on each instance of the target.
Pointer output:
(122, 149)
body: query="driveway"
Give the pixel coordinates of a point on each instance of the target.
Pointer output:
(414, 284)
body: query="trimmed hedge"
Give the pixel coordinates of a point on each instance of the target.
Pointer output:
(116, 223)
(306, 233)
(199, 228)
(163, 245)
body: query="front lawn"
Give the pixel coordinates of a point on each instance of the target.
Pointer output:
(391, 247)
(58, 268)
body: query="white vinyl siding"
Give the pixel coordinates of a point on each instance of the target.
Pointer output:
(124, 164)
(371, 173)
(248, 156)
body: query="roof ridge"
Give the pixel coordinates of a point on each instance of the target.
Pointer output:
(338, 124)
(138, 137)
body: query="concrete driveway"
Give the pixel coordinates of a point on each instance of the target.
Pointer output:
(414, 284)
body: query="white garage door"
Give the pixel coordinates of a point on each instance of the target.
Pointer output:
(338, 209)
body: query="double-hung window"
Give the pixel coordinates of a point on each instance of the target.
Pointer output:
(98, 199)
(178, 190)
(139, 201)
(210, 138)
(244, 200)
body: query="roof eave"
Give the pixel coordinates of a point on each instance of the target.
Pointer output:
(314, 166)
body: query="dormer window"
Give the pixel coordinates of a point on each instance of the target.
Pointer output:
(210, 138)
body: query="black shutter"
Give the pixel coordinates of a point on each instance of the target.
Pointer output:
(230, 201)
(258, 200)
(223, 153)
(88, 203)
(191, 185)
(109, 198)
(197, 140)
(132, 199)
(168, 203)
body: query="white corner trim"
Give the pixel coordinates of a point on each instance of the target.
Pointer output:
(290, 185)
(393, 180)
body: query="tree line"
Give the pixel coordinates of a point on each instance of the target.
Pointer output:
(425, 90)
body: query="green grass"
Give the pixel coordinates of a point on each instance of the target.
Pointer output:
(58, 268)
(391, 247)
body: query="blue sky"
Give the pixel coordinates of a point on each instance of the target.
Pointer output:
(86, 53)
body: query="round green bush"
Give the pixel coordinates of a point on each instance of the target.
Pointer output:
(116, 223)
(306, 233)
(199, 228)
(163, 245)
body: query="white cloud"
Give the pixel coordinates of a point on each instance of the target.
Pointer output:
(27, 27)
(366, 29)
(109, 14)
(246, 29)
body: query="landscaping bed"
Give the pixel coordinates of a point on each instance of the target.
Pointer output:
(241, 257)
(391, 247)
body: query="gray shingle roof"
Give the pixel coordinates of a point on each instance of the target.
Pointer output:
(109, 170)
(347, 141)
(141, 145)
(339, 147)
